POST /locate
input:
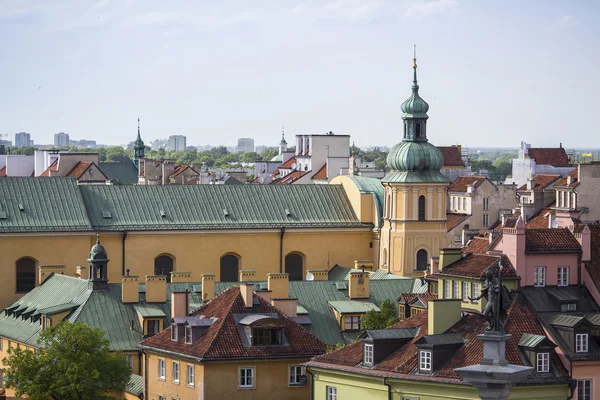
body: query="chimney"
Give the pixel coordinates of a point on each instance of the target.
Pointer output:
(551, 219)
(319, 274)
(364, 265)
(448, 256)
(247, 291)
(435, 264)
(278, 285)
(287, 306)
(156, 289)
(358, 285)
(585, 240)
(180, 304)
(208, 287)
(247, 275)
(569, 179)
(529, 184)
(46, 270)
(130, 289)
(81, 272)
(181, 277)
(442, 314)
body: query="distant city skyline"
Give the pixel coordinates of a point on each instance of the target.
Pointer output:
(494, 73)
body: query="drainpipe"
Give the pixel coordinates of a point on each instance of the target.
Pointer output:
(282, 232)
(123, 237)
(312, 384)
(579, 257)
(389, 388)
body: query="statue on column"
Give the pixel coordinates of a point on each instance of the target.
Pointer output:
(498, 301)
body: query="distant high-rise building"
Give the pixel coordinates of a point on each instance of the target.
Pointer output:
(61, 139)
(177, 143)
(83, 143)
(6, 143)
(23, 139)
(245, 145)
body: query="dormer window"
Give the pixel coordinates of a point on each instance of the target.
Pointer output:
(267, 336)
(581, 343)
(174, 333)
(368, 356)
(565, 307)
(543, 362)
(425, 360)
(188, 334)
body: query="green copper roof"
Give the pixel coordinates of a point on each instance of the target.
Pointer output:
(415, 107)
(374, 187)
(352, 306)
(122, 173)
(415, 162)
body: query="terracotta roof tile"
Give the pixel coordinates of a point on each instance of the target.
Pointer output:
(3, 171)
(557, 240)
(290, 178)
(79, 169)
(288, 163)
(53, 167)
(475, 266)
(321, 173)
(409, 297)
(557, 157)
(574, 179)
(460, 184)
(540, 219)
(452, 156)
(542, 181)
(180, 169)
(477, 245)
(222, 339)
(454, 220)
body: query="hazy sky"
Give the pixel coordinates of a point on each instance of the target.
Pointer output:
(493, 72)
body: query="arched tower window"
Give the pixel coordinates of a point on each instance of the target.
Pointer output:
(418, 130)
(230, 268)
(294, 266)
(25, 274)
(163, 265)
(421, 260)
(421, 208)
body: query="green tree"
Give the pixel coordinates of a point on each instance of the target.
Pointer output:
(268, 153)
(381, 319)
(73, 361)
(249, 157)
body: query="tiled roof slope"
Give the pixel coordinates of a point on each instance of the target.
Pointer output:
(454, 220)
(452, 156)
(557, 157)
(79, 169)
(290, 178)
(288, 163)
(222, 339)
(542, 181)
(49, 205)
(475, 266)
(558, 240)
(477, 245)
(461, 183)
(403, 362)
(53, 167)
(540, 219)
(321, 173)
(124, 173)
(217, 207)
(574, 179)
(375, 188)
(2, 172)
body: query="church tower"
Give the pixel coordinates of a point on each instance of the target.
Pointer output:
(283, 143)
(414, 228)
(139, 149)
(98, 260)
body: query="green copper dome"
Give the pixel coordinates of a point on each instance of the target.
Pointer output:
(415, 156)
(415, 106)
(98, 252)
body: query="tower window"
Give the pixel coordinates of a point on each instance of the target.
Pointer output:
(421, 208)
(421, 260)
(25, 275)
(418, 130)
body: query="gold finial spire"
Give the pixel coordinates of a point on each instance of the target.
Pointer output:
(415, 56)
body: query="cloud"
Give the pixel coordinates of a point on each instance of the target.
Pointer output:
(430, 8)
(354, 11)
(28, 15)
(102, 3)
(566, 21)
(181, 20)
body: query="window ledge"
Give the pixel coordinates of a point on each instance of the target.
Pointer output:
(161, 379)
(246, 387)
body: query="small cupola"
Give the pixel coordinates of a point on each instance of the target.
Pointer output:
(98, 271)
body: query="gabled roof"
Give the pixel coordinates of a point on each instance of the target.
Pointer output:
(222, 339)
(352, 306)
(3, 171)
(411, 298)
(453, 220)
(288, 163)
(557, 157)
(124, 173)
(477, 245)
(321, 173)
(81, 168)
(551, 240)
(574, 175)
(182, 168)
(461, 183)
(452, 156)
(290, 178)
(476, 265)
(52, 168)
(542, 181)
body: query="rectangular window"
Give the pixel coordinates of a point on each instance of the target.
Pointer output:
(584, 389)
(129, 360)
(457, 239)
(188, 334)
(153, 326)
(425, 360)
(486, 219)
(543, 362)
(475, 292)
(486, 204)
(331, 393)
(174, 333)
(368, 358)
(457, 289)
(401, 312)
(351, 323)
(581, 343)
(267, 336)
(161, 397)
(190, 375)
(246, 377)
(460, 200)
(296, 373)
(563, 276)
(540, 277)
(453, 203)
(465, 292)
(447, 284)
(161, 368)
(175, 371)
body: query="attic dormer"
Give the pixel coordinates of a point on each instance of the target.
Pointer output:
(538, 349)
(575, 331)
(379, 343)
(262, 330)
(189, 329)
(435, 350)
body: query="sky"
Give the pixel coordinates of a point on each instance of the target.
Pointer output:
(494, 73)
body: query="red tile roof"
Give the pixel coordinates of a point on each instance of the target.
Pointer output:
(454, 220)
(290, 178)
(53, 167)
(520, 319)
(409, 297)
(542, 181)
(321, 173)
(557, 157)
(180, 169)
(452, 156)
(540, 219)
(557, 240)
(460, 184)
(574, 179)
(475, 266)
(477, 245)
(222, 339)
(79, 169)
(3, 171)
(288, 163)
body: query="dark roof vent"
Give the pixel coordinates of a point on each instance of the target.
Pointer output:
(162, 214)
(21, 207)
(288, 213)
(225, 213)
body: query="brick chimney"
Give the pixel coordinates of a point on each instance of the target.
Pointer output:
(448, 256)
(358, 285)
(278, 284)
(247, 275)
(585, 240)
(208, 287)
(319, 274)
(181, 276)
(180, 304)
(247, 291)
(130, 288)
(367, 264)
(435, 264)
(442, 314)
(156, 289)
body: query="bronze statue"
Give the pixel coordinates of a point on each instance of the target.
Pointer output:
(498, 301)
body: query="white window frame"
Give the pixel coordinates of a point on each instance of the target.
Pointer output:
(581, 342)
(191, 375)
(331, 392)
(176, 371)
(188, 335)
(563, 276)
(456, 290)
(543, 362)
(475, 292)
(368, 353)
(425, 360)
(174, 332)
(584, 389)
(465, 292)
(129, 360)
(252, 379)
(539, 277)
(162, 369)
(349, 323)
(295, 379)
(454, 202)
(447, 287)
(486, 204)
(486, 220)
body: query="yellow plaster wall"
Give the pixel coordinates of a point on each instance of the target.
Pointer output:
(167, 387)
(481, 303)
